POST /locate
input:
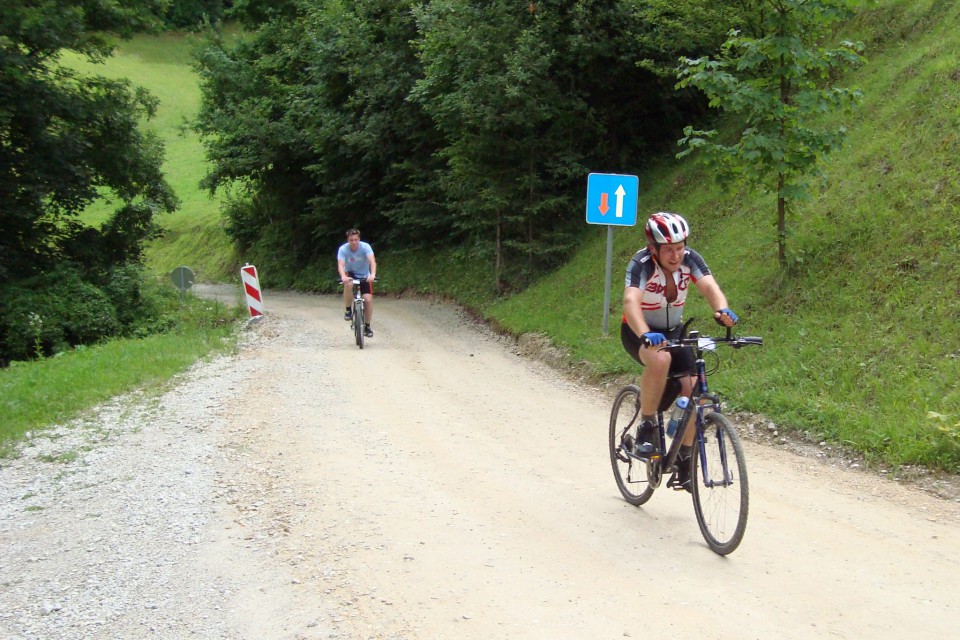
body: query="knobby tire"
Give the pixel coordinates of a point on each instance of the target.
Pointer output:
(721, 509)
(630, 473)
(358, 321)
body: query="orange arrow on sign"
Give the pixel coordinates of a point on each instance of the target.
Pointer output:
(603, 204)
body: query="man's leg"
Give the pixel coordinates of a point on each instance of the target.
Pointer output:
(686, 388)
(656, 366)
(683, 457)
(653, 381)
(368, 307)
(348, 296)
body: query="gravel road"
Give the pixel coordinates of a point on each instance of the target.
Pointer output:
(437, 484)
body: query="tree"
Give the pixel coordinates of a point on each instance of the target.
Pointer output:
(531, 98)
(778, 84)
(309, 116)
(488, 87)
(194, 14)
(475, 121)
(67, 139)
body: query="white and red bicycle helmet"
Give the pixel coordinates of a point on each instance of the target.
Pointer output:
(666, 228)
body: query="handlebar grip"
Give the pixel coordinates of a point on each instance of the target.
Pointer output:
(751, 340)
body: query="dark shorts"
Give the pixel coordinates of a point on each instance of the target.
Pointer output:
(683, 361)
(365, 287)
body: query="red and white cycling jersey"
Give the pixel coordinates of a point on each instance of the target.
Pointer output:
(645, 273)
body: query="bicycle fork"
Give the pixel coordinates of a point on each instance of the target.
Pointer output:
(727, 475)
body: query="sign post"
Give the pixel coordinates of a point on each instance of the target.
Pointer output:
(614, 194)
(182, 278)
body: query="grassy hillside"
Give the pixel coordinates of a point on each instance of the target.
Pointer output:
(862, 334)
(862, 339)
(194, 235)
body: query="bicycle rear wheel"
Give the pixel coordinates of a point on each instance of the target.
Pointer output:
(721, 493)
(358, 321)
(630, 473)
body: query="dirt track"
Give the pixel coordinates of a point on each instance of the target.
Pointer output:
(438, 485)
(472, 494)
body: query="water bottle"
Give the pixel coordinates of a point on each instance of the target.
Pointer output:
(676, 414)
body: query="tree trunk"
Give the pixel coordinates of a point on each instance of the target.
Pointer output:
(532, 167)
(781, 178)
(781, 223)
(498, 259)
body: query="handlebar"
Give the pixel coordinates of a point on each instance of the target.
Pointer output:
(695, 340)
(355, 280)
(707, 342)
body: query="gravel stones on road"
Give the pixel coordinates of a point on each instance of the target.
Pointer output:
(101, 519)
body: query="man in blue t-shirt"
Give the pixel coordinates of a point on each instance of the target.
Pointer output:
(355, 259)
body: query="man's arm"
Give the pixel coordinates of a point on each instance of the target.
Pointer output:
(633, 311)
(342, 268)
(373, 267)
(711, 291)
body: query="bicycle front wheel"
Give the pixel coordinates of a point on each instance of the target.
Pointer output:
(721, 494)
(358, 321)
(630, 473)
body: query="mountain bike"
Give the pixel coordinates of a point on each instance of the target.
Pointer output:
(358, 319)
(718, 470)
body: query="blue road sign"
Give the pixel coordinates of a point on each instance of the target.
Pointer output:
(612, 199)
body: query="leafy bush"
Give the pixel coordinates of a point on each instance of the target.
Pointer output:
(193, 14)
(53, 312)
(123, 288)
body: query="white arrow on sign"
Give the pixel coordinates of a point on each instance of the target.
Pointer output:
(620, 193)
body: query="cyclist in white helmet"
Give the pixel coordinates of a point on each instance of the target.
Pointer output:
(657, 281)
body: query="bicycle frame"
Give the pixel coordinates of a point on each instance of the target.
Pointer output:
(357, 296)
(720, 486)
(701, 400)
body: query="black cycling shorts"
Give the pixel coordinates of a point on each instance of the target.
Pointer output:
(683, 359)
(365, 287)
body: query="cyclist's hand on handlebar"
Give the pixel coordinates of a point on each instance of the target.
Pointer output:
(371, 278)
(725, 317)
(654, 338)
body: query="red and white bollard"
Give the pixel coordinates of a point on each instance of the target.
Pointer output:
(251, 286)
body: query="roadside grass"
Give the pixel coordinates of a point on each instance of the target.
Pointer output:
(861, 336)
(37, 394)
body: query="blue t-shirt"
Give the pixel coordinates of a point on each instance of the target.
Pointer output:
(356, 262)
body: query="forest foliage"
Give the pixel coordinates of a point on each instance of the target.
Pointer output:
(455, 123)
(469, 123)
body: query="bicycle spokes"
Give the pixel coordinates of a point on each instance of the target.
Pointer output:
(721, 497)
(629, 472)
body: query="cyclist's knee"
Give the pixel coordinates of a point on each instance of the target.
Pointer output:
(655, 359)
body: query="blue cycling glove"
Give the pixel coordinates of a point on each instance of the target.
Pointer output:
(726, 312)
(653, 338)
